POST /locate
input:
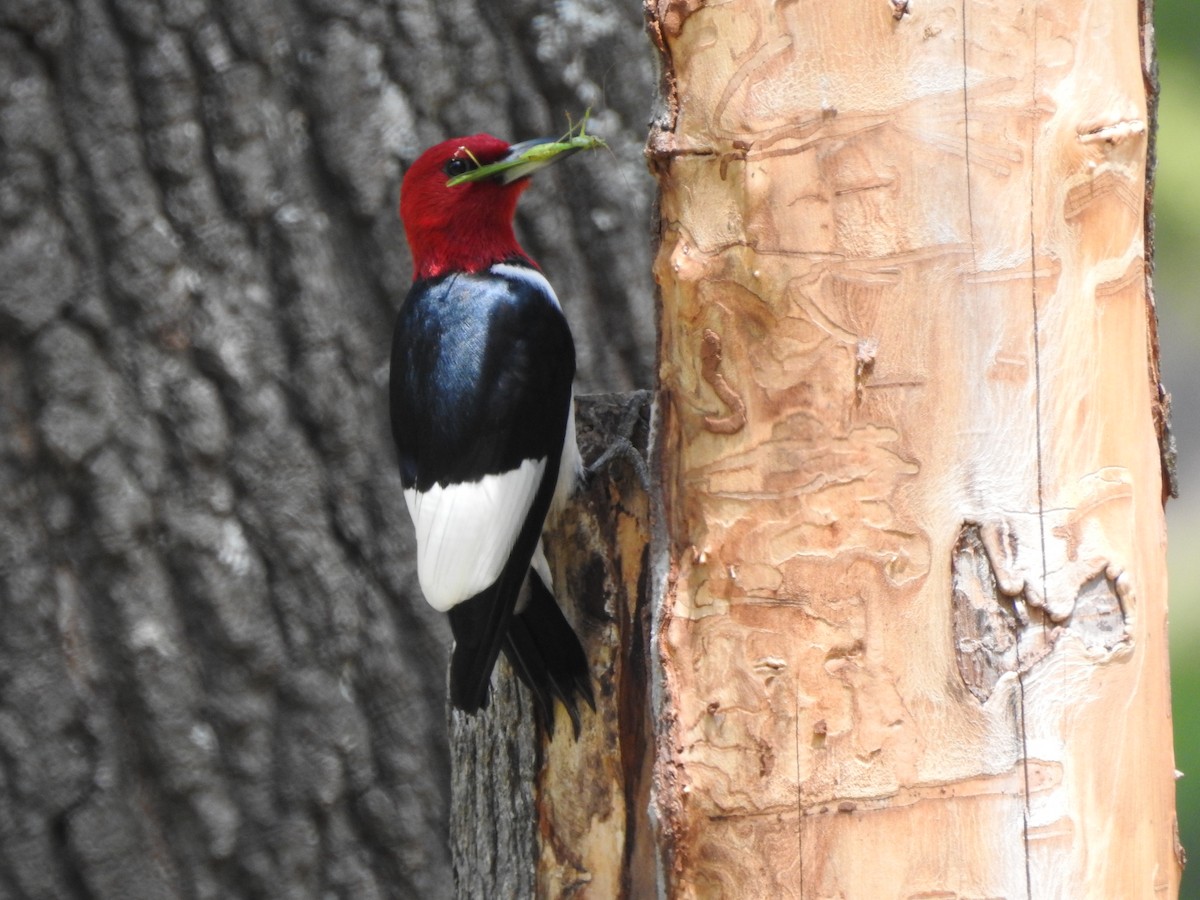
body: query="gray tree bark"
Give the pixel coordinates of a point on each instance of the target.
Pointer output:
(217, 677)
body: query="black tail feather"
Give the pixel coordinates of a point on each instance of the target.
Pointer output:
(539, 643)
(475, 652)
(547, 656)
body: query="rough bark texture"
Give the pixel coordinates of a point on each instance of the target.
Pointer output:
(912, 634)
(217, 678)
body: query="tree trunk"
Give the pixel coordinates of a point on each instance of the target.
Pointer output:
(913, 634)
(217, 677)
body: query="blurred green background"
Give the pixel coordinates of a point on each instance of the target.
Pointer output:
(1177, 209)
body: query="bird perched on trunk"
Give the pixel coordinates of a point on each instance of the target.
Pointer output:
(483, 417)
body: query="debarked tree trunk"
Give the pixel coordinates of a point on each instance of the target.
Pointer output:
(913, 634)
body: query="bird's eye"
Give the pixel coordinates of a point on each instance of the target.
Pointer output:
(457, 166)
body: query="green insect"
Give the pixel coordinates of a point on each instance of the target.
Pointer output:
(529, 156)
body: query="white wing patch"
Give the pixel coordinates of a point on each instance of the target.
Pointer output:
(465, 532)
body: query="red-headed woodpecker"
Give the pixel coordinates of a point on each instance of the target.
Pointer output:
(483, 417)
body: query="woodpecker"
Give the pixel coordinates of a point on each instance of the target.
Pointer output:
(482, 411)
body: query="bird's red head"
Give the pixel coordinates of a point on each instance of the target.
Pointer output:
(464, 228)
